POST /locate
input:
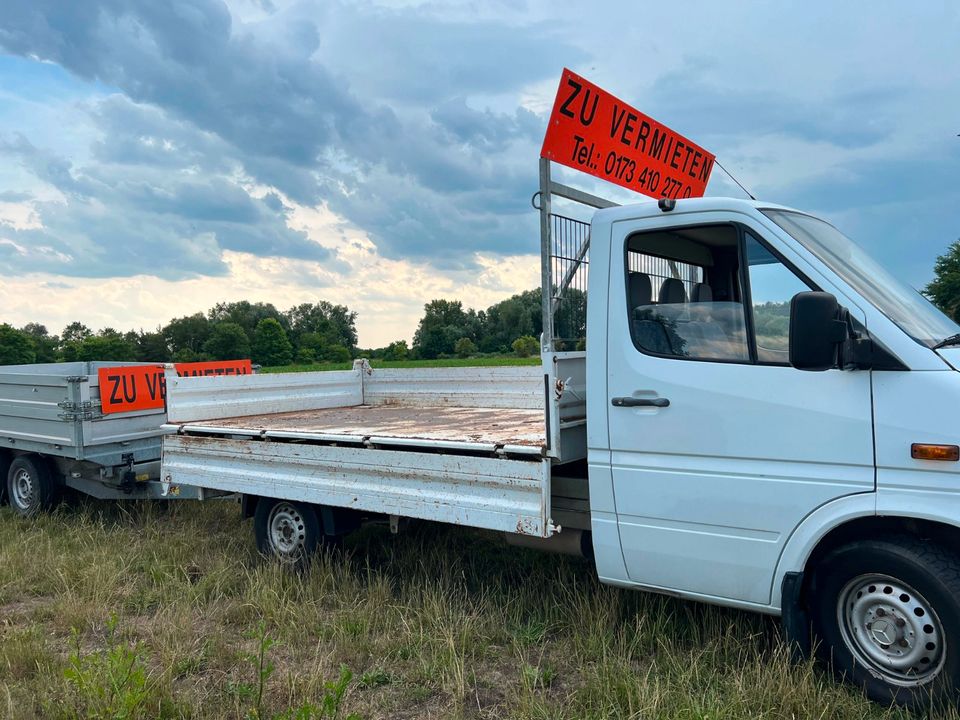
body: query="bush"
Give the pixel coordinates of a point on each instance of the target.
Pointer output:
(397, 350)
(464, 347)
(337, 353)
(525, 346)
(306, 356)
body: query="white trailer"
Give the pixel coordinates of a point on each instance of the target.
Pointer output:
(54, 435)
(764, 418)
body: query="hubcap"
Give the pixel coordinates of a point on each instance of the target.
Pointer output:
(891, 629)
(287, 531)
(22, 490)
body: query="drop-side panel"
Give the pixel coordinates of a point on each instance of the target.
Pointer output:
(492, 493)
(214, 398)
(30, 409)
(512, 386)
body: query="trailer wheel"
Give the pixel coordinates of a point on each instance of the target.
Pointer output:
(888, 615)
(31, 488)
(289, 531)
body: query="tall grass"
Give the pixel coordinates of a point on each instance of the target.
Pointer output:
(434, 622)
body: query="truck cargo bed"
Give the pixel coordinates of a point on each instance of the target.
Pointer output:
(448, 424)
(470, 446)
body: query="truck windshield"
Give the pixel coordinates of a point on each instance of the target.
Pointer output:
(912, 312)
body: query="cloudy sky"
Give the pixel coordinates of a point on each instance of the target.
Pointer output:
(158, 157)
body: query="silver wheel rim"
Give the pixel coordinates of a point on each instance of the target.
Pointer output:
(891, 629)
(22, 489)
(286, 530)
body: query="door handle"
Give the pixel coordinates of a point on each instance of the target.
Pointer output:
(639, 402)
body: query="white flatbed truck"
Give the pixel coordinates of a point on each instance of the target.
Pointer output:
(763, 418)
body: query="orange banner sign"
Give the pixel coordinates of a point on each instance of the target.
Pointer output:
(593, 131)
(143, 387)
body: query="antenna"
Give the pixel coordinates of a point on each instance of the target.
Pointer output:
(739, 184)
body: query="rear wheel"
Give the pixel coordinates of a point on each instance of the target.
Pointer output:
(289, 531)
(888, 615)
(31, 488)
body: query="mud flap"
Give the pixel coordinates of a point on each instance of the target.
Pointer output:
(794, 617)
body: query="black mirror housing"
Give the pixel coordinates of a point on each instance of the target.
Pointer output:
(816, 331)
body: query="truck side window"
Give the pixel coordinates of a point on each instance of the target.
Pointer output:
(683, 294)
(772, 286)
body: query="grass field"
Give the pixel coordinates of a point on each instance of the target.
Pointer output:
(144, 611)
(446, 362)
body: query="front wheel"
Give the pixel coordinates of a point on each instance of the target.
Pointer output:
(888, 615)
(31, 488)
(289, 531)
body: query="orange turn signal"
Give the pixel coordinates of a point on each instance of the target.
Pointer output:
(924, 451)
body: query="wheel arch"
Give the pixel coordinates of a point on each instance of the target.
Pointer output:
(854, 518)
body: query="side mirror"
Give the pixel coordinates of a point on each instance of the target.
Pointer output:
(816, 331)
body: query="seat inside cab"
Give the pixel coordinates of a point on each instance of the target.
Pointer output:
(684, 293)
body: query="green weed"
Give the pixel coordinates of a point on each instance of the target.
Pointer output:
(111, 683)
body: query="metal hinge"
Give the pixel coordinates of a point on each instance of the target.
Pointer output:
(79, 411)
(77, 378)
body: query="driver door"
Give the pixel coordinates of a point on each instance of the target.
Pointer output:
(718, 447)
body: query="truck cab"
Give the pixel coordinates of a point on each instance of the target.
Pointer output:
(768, 409)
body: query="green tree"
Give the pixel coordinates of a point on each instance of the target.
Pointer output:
(465, 347)
(71, 339)
(525, 346)
(516, 316)
(270, 343)
(152, 347)
(314, 342)
(16, 347)
(944, 289)
(228, 341)
(107, 344)
(190, 332)
(75, 332)
(443, 323)
(246, 314)
(334, 324)
(44, 344)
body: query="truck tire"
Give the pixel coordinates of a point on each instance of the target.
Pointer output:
(286, 530)
(31, 488)
(887, 614)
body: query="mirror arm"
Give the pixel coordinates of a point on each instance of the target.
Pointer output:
(856, 347)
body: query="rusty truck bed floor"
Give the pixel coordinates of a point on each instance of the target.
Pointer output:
(500, 426)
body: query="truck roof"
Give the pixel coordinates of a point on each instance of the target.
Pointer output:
(651, 208)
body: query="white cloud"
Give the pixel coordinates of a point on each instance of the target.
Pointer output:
(400, 140)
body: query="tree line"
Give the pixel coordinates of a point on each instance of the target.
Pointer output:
(326, 332)
(305, 334)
